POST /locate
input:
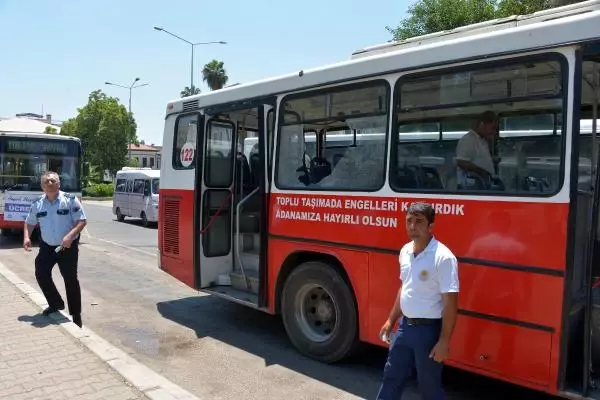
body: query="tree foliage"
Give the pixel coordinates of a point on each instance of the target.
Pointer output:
(187, 91)
(429, 16)
(215, 75)
(105, 129)
(50, 129)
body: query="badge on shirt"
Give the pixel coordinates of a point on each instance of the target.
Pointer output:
(424, 275)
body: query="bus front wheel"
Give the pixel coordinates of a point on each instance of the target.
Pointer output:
(319, 312)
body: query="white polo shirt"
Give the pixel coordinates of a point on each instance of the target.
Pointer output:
(425, 277)
(474, 148)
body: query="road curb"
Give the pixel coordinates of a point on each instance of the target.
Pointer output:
(84, 198)
(153, 385)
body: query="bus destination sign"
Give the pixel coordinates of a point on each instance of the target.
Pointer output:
(37, 147)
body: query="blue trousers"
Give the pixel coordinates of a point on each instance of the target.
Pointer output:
(410, 347)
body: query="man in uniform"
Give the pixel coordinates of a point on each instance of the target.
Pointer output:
(61, 219)
(473, 155)
(426, 304)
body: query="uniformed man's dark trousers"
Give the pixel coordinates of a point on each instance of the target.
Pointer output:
(67, 263)
(410, 347)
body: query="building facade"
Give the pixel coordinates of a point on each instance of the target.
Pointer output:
(147, 156)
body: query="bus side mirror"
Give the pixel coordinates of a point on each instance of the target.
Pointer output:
(86, 169)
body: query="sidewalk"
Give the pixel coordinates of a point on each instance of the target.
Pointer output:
(48, 358)
(40, 360)
(94, 202)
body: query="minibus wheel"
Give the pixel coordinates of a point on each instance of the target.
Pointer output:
(144, 219)
(120, 217)
(319, 312)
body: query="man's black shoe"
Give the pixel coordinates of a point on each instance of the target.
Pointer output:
(77, 320)
(51, 310)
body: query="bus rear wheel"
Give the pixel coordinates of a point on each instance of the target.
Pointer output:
(319, 312)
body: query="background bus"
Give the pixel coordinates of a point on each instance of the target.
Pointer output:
(136, 194)
(309, 225)
(23, 158)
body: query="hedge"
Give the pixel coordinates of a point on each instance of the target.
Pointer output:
(98, 190)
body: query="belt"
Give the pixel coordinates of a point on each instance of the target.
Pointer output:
(421, 321)
(75, 242)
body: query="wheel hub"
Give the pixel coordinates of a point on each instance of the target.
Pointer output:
(316, 312)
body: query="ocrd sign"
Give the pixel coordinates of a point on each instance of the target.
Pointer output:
(186, 156)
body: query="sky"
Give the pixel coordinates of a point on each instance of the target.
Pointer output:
(55, 52)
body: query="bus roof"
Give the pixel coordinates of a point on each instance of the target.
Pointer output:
(38, 135)
(144, 171)
(574, 27)
(480, 28)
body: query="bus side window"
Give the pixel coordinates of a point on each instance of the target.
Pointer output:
(436, 110)
(138, 186)
(120, 185)
(146, 187)
(354, 120)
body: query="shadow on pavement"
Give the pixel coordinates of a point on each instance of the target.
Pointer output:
(138, 222)
(263, 335)
(12, 241)
(41, 321)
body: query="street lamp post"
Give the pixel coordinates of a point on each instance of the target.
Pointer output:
(157, 28)
(130, 88)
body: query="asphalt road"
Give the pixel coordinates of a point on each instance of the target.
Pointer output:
(211, 347)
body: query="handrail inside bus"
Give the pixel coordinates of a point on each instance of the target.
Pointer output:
(237, 236)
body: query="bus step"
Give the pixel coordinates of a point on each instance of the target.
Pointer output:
(237, 281)
(250, 260)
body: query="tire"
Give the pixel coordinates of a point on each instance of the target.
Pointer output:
(120, 217)
(144, 219)
(315, 293)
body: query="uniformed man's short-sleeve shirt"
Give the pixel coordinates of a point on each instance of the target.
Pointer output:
(56, 218)
(472, 147)
(425, 278)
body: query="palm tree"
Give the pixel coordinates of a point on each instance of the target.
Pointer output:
(215, 75)
(189, 92)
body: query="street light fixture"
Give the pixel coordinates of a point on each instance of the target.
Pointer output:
(130, 88)
(157, 28)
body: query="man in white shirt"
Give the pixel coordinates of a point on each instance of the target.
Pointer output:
(427, 304)
(473, 155)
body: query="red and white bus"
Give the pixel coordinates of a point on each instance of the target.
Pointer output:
(24, 157)
(289, 194)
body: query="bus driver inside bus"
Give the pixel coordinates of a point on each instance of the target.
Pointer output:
(474, 160)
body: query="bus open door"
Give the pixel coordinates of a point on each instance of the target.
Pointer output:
(581, 324)
(232, 182)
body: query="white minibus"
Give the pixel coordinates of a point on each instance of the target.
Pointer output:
(136, 194)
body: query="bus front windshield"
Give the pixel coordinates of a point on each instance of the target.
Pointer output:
(24, 160)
